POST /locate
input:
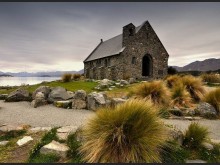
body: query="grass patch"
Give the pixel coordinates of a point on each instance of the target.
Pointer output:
(45, 158)
(74, 145)
(211, 156)
(70, 86)
(12, 134)
(47, 138)
(211, 78)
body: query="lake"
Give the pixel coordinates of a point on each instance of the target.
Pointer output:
(16, 81)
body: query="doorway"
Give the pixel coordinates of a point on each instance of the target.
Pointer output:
(147, 65)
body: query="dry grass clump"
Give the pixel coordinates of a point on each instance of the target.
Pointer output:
(129, 132)
(195, 135)
(172, 80)
(76, 76)
(194, 86)
(155, 91)
(180, 96)
(66, 77)
(211, 78)
(213, 98)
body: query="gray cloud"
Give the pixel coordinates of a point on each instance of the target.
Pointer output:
(59, 36)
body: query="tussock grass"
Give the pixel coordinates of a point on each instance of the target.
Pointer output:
(66, 77)
(195, 135)
(194, 86)
(130, 132)
(180, 96)
(213, 98)
(156, 91)
(76, 76)
(211, 78)
(172, 81)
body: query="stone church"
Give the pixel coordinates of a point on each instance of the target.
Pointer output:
(136, 53)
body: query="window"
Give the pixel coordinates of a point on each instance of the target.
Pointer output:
(98, 62)
(133, 61)
(107, 62)
(131, 32)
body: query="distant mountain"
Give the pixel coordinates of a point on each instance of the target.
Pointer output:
(40, 74)
(210, 64)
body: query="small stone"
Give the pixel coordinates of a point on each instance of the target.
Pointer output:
(38, 129)
(124, 82)
(189, 118)
(67, 129)
(7, 128)
(24, 140)
(55, 147)
(195, 161)
(131, 80)
(63, 104)
(78, 104)
(216, 141)
(3, 143)
(62, 136)
(116, 101)
(208, 146)
(80, 94)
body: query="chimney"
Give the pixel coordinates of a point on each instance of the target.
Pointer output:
(101, 40)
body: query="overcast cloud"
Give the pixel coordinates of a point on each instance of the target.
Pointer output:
(59, 36)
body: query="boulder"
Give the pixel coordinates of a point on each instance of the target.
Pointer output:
(3, 143)
(131, 80)
(39, 100)
(78, 104)
(115, 101)
(63, 132)
(71, 94)
(24, 140)
(3, 96)
(205, 109)
(18, 95)
(55, 147)
(95, 100)
(80, 94)
(58, 94)
(67, 104)
(38, 129)
(124, 82)
(45, 90)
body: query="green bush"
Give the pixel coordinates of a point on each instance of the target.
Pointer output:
(66, 77)
(129, 132)
(213, 98)
(156, 91)
(76, 76)
(195, 135)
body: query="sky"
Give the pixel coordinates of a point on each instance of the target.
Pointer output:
(58, 36)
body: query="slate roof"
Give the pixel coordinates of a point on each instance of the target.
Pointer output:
(109, 47)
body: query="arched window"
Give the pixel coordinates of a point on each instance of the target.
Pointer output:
(147, 65)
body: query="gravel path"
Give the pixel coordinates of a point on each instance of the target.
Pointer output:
(44, 116)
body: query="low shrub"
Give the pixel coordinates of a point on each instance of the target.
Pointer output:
(76, 76)
(66, 77)
(195, 135)
(211, 78)
(11, 134)
(130, 132)
(156, 91)
(180, 96)
(194, 86)
(211, 156)
(213, 98)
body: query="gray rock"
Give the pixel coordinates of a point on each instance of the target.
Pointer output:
(124, 82)
(208, 146)
(63, 132)
(80, 94)
(3, 96)
(95, 100)
(116, 101)
(24, 140)
(78, 104)
(71, 94)
(58, 94)
(38, 129)
(176, 135)
(55, 147)
(67, 104)
(45, 90)
(131, 81)
(205, 109)
(195, 161)
(39, 100)
(3, 143)
(18, 95)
